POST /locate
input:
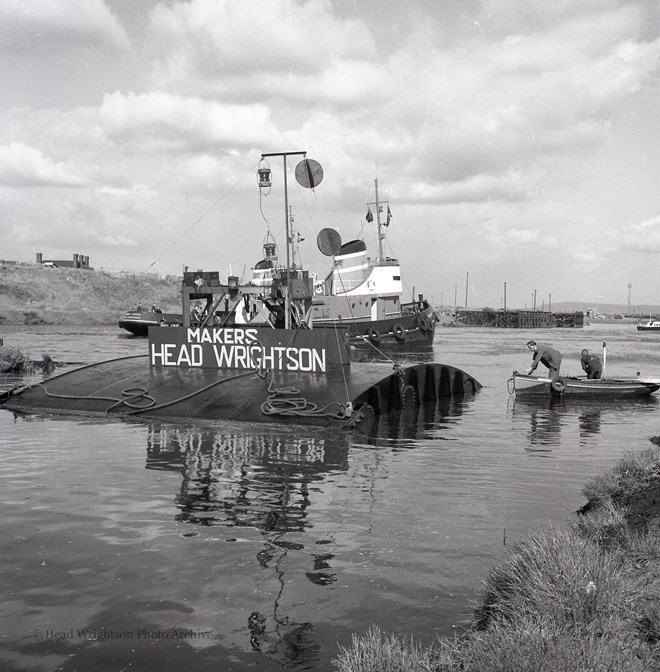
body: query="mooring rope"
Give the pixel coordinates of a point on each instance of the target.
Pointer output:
(298, 406)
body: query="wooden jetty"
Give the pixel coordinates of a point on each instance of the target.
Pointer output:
(519, 319)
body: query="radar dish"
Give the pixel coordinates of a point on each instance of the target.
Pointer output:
(328, 242)
(309, 173)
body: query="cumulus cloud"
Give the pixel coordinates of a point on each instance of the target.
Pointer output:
(348, 84)
(29, 23)
(115, 241)
(516, 99)
(510, 186)
(515, 237)
(23, 166)
(212, 37)
(140, 190)
(588, 260)
(643, 237)
(157, 120)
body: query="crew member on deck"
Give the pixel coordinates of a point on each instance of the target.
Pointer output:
(591, 365)
(196, 315)
(547, 356)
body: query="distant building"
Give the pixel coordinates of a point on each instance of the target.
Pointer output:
(78, 261)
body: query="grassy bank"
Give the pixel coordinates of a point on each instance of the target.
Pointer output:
(583, 596)
(35, 294)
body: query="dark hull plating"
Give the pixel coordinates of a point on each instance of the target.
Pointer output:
(131, 387)
(401, 333)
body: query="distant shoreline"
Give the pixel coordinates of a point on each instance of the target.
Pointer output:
(37, 294)
(34, 294)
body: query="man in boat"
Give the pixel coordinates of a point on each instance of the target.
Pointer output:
(591, 365)
(547, 356)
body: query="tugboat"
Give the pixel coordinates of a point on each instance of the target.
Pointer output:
(364, 295)
(272, 367)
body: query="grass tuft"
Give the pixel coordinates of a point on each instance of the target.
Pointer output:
(14, 360)
(631, 474)
(557, 578)
(375, 652)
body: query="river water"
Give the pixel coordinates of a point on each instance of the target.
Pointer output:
(225, 546)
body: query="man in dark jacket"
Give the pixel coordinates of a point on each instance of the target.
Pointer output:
(591, 365)
(547, 356)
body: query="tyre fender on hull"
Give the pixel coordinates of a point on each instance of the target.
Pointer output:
(558, 386)
(373, 336)
(423, 323)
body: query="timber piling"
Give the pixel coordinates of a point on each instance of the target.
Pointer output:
(519, 319)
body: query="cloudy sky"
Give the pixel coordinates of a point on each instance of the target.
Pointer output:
(517, 141)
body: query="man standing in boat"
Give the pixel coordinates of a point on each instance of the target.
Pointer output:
(591, 365)
(547, 356)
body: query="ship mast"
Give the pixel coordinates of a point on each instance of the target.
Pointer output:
(309, 174)
(294, 239)
(380, 235)
(287, 297)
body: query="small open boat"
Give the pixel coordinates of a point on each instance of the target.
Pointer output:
(525, 385)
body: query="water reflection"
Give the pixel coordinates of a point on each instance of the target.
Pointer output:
(589, 422)
(544, 426)
(240, 480)
(417, 422)
(266, 483)
(262, 487)
(548, 418)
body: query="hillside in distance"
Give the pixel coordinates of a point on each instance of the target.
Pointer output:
(605, 308)
(36, 294)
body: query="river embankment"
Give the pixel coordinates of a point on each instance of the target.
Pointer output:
(580, 596)
(38, 294)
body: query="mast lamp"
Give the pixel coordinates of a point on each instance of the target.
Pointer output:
(263, 178)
